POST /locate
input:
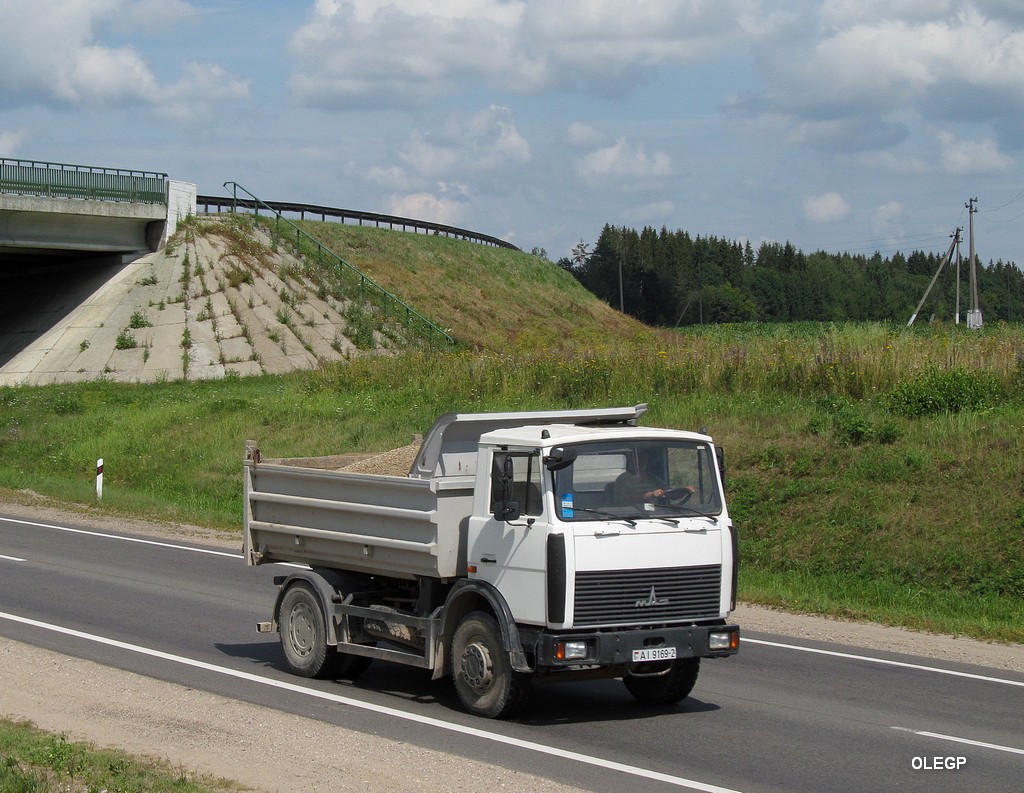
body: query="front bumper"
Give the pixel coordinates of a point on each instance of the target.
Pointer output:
(615, 647)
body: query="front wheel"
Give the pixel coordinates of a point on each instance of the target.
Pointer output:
(663, 686)
(485, 681)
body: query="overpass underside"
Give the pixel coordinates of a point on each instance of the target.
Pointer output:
(65, 231)
(36, 231)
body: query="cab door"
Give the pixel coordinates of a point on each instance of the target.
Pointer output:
(507, 547)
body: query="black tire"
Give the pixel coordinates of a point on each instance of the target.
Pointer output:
(304, 633)
(671, 684)
(484, 679)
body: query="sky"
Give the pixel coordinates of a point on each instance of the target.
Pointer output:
(836, 125)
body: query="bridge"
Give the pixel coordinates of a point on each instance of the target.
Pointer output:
(55, 212)
(66, 232)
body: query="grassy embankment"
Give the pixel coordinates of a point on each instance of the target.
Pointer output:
(875, 472)
(32, 761)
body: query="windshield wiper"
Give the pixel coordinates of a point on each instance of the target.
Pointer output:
(609, 515)
(690, 511)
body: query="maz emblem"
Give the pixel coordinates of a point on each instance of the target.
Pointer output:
(652, 600)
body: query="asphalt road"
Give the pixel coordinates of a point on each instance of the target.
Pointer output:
(783, 715)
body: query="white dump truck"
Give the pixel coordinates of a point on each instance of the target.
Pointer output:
(521, 548)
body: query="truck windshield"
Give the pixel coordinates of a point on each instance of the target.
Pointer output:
(638, 479)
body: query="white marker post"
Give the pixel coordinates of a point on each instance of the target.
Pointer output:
(99, 479)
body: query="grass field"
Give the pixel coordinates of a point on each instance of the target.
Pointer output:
(861, 488)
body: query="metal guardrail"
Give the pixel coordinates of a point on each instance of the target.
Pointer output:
(309, 245)
(354, 215)
(91, 183)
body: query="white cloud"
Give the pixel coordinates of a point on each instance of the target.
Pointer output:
(887, 219)
(390, 177)
(202, 89)
(826, 208)
(491, 136)
(482, 144)
(101, 76)
(968, 156)
(580, 134)
(388, 52)
(53, 52)
(623, 161)
(427, 206)
(11, 141)
(844, 67)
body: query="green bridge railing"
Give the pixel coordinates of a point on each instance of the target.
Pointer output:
(63, 180)
(390, 305)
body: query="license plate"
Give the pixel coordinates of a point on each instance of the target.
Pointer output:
(654, 654)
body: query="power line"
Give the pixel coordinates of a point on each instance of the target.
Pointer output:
(890, 240)
(1013, 200)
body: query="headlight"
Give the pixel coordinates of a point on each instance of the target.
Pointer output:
(725, 640)
(571, 651)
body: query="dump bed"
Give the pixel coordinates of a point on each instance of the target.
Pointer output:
(398, 526)
(384, 525)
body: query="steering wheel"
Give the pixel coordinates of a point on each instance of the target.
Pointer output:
(678, 495)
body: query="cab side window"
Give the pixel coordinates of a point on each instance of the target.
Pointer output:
(525, 484)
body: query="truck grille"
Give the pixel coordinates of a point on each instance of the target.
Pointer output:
(670, 594)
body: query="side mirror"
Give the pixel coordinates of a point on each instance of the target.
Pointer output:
(560, 458)
(502, 505)
(508, 511)
(720, 455)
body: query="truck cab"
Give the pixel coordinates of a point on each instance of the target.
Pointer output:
(614, 543)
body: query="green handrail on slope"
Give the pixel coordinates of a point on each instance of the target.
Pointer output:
(365, 282)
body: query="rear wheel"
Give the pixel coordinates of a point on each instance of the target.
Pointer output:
(304, 633)
(485, 681)
(665, 683)
(304, 639)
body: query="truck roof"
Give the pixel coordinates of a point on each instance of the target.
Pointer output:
(554, 434)
(449, 448)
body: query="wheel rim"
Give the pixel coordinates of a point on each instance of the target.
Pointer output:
(477, 666)
(301, 629)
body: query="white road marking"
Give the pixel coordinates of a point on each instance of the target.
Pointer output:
(139, 540)
(381, 709)
(885, 661)
(955, 739)
(11, 558)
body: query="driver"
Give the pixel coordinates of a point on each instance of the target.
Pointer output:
(641, 486)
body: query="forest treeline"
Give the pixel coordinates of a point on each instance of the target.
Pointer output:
(669, 278)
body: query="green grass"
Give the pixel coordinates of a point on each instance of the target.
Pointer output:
(494, 299)
(889, 602)
(853, 499)
(32, 761)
